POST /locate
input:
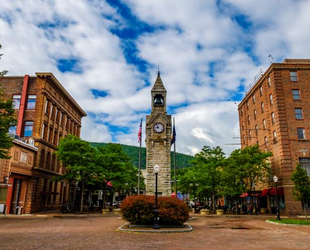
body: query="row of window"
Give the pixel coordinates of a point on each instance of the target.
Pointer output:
(50, 192)
(49, 162)
(31, 101)
(61, 118)
(301, 135)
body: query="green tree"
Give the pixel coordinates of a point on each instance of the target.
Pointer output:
(4, 72)
(301, 191)
(78, 158)
(114, 166)
(244, 168)
(7, 119)
(209, 165)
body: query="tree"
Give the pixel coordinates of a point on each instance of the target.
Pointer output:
(114, 166)
(4, 72)
(78, 157)
(209, 164)
(244, 168)
(301, 191)
(7, 119)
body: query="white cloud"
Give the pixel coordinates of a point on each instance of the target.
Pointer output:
(203, 53)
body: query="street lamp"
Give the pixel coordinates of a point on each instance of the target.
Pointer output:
(156, 171)
(275, 179)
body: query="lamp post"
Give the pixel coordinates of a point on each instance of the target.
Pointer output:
(156, 171)
(275, 179)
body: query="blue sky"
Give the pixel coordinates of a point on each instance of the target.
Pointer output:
(106, 53)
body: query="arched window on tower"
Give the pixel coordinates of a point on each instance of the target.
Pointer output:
(158, 100)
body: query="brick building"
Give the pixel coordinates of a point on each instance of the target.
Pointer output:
(46, 113)
(275, 114)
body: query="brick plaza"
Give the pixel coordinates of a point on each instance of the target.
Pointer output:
(99, 232)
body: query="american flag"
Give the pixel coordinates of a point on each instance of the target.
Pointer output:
(140, 131)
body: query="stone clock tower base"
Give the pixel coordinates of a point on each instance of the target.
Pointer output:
(158, 142)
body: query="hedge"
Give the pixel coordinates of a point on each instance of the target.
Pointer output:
(140, 210)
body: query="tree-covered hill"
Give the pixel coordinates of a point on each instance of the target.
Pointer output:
(183, 160)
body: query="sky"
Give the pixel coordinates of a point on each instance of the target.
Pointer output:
(106, 53)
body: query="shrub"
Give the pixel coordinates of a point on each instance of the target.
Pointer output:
(140, 210)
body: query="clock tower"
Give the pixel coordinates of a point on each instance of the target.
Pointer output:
(158, 142)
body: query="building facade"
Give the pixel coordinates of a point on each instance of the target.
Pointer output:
(158, 142)
(275, 115)
(46, 113)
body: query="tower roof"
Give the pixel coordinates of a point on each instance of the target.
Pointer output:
(158, 85)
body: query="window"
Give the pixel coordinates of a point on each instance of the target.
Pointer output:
(43, 131)
(31, 101)
(274, 136)
(16, 101)
(242, 125)
(263, 107)
(53, 110)
(50, 137)
(272, 118)
(269, 82)
(250, 134)
(241, 112)
(264, 124)
(255, 114)
(261, 90)
(247, 105)
(296, 95)
(293, 75)
(60, 117)
(266, 141)
(253, 97)
(298, 113)
(12, 130)
(270, 98)
(55, 137)
(301, 133)
(56, 115)
(305, 164)
(42, 160)
(249, 119)
(48, 160)
(256, 130)
(243, 139)
(28, 128)
(45, 107)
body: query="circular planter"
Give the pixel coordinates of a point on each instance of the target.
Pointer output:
(105, 211)
(263, 210)
(219, 212)
(204, 211)
(117, 211)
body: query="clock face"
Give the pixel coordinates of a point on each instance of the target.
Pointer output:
(158, 127)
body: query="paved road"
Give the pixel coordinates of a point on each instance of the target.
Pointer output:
(98, 232)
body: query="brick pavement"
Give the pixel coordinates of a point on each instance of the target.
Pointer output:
(99, 232)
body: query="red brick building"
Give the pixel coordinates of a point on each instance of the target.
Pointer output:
(275, 114)
(46, 113)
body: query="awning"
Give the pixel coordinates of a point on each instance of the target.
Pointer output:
(244, 195)
(265, 192)
(273, 192)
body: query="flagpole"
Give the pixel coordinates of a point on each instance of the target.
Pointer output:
(175, 165)
(140, 157)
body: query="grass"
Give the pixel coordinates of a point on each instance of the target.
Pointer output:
(291, 221)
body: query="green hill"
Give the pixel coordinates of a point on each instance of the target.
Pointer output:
(183, 160)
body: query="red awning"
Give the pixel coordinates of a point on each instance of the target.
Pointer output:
(109, 184)
(244, 195)
(265, 192)
(273, 192)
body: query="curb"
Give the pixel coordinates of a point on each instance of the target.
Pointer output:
(189, 229)
(284, 224)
